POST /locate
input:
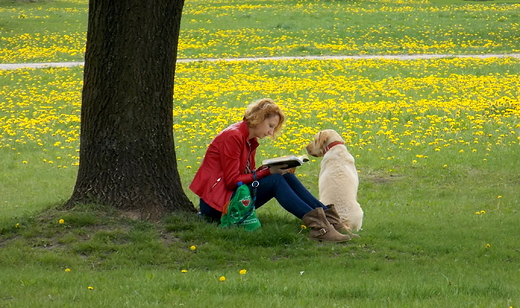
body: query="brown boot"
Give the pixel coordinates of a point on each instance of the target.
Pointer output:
(335, 221)
(321, 229)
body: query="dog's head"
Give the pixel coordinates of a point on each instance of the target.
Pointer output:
(319, 146)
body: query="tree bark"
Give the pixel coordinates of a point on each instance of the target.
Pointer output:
(127, 153)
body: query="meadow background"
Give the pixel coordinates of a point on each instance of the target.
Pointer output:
(436, 143)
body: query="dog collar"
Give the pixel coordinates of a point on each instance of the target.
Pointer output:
(331, 145)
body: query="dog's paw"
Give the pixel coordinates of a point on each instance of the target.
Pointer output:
(353, 235)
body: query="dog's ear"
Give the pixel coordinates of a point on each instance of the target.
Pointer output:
(322, 139)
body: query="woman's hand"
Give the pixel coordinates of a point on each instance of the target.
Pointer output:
(280, 169)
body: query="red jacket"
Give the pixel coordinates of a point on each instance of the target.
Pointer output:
(224, 165)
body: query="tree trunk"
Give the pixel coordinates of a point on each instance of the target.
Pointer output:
(127, 153)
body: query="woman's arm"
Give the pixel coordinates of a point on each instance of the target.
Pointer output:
(231, 156)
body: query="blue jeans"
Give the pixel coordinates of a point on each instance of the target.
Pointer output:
(286, 189)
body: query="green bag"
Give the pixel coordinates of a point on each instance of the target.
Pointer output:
(240, 210)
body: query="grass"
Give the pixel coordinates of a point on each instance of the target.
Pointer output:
(405, 259)
(435, 141)
(53, 31)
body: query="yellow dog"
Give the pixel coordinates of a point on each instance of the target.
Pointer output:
(338, 181)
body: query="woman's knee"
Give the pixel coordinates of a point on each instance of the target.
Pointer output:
(273, 180)
(286, 179)
(290, 175)
(277, 176)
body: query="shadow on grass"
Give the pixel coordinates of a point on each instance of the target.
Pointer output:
(101, 238)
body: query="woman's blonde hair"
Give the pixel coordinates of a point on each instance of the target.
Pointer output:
(262, 109)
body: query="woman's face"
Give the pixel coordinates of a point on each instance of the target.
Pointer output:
(264, 128)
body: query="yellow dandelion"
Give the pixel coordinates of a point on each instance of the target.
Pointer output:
(488, 245)
(67, 270)
(90, 288)
(499, 197)
(482, 212)
(477, 212)
(222, 278)
(303, 226)
(61, 221)
(193, 247)
(184, 271)
(242, 272)
(17, 225)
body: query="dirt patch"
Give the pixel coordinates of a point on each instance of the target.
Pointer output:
(383, 178)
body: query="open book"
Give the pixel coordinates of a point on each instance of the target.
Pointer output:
(290, 160)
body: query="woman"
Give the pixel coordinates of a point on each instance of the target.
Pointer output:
(230, 159)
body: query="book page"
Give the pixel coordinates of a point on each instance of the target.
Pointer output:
(290, 161)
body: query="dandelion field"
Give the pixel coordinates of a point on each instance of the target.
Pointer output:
(436, 142)
(56, 30)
